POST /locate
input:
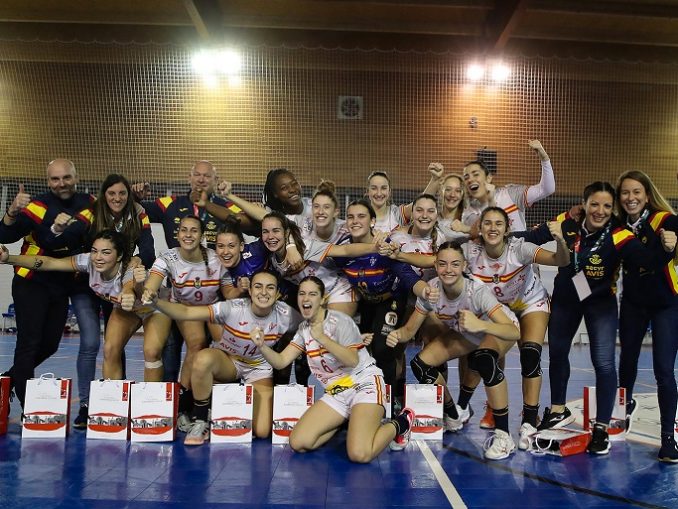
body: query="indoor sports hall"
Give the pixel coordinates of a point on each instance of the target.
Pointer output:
(334, 90)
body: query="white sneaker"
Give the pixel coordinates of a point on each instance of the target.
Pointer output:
(499, 446)
(198, 434)
(526, 432)
(452, 425)
(184, 422)
(465, 414)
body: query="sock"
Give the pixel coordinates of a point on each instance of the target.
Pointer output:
(530, 414)
(451, 410)
(185, 399)
(442, 369)
(200, 410)
(402, 425)
(501, 419)
(465, 394)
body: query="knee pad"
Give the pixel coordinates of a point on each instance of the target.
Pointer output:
(530, 359)
(153, 365)
(486, 362)
(424, 373)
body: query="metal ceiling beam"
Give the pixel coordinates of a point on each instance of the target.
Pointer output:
(206, 16)
(502, 21)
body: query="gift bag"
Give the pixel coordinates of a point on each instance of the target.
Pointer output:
(232, 410)
(427, 402)
(289, 404)
(4, 403)
(109, 408)
(617, 429)
(153, 411)
(560, 442)
(387, 401)
(47, 408)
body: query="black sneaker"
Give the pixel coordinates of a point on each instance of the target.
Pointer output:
(555, 420)
(631, 409)
(669, 450)
(600, 442)
(80, 421)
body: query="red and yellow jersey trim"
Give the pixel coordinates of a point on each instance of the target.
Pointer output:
(86, 216)
(494, 309)
(30, 248)
(191, 283)
(364, 272)
(511, 208)
(36, 211)
(620, 236)
(145, 222)
(165, 202)
(502, 279)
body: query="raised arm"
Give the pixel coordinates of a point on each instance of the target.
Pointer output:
(559, 258)
(499, 325)
(547, 183)
(436, 171)
(276, 360)
(407, 331)
(45, 263)
(256, 212)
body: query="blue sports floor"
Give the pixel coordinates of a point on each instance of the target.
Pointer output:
(76, 473)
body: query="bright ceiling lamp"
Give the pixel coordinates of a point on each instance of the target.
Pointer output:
(209, 63)
(500, 72)
(475, 72)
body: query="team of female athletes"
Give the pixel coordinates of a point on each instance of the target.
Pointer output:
(458, 269)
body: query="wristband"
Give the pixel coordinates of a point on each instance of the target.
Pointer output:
(10, 215)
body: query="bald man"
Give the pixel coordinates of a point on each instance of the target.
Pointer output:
(41, 298)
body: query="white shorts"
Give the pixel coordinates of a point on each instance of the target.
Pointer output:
(369, 389)
(536, 299)
(250, 374)
(342, 291)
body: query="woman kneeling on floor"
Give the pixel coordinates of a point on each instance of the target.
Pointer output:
(354, 385)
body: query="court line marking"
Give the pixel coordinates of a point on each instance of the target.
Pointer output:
(444, 481)
(553, 482)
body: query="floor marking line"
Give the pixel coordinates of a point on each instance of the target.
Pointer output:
(553, 482)
(444, 481)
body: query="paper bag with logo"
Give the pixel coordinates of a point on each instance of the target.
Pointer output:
(617, 428)
(427, 403)
(560, 442)
(289, 404)
(232, 410)
(153, 412)
(109, 407)
(4, 403)
(47, 409)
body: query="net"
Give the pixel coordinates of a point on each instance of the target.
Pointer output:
(141, 110)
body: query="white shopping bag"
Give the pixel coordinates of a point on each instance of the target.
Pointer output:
(109, 409)
(427, 403)
(47, 409)
(560, 442)
(4, 403)
(617, 429)
(387, 401)
(153, 414)
(232, 410)
(289, 404)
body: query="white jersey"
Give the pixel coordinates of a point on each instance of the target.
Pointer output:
(306, 212)
(325, 366)
(511, 277)
(316, 263)
(192, 282)
(237, 320)
(511, 198)
(475, 297)
(410, 243)
(339, 235)
(395, 216)
(109, 290)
